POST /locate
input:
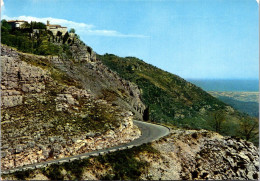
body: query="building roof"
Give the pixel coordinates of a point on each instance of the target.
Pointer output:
(54, 25)
(12, 21)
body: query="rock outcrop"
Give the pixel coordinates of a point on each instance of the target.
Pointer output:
(201, 155)
(98, 79)
(45, 117)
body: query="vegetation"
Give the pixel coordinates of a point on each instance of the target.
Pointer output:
(25, 39)
(218, 119)
(246, 102)
(146, 114)
(72, 30)
(73, 170)
(125, 165)
(175, 101)
(248, 129)
(169, 97)
(22, 175)
(251, 108)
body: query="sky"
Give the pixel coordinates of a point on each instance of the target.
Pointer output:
(199, 39)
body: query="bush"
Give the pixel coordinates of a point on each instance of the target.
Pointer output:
(72, 30)
(124, 164)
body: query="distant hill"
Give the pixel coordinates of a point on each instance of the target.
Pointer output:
(240, 96)
(246, 102)
(251, 108)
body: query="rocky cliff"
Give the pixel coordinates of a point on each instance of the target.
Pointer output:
(47, 115)
(94, 76)
(200, 155)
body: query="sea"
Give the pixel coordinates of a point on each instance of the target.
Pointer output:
(235, 85)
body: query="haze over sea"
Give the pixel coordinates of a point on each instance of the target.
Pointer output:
(235, 85)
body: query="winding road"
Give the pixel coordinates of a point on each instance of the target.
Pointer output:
(150, 132)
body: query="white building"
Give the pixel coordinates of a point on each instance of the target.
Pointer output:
(16, 23)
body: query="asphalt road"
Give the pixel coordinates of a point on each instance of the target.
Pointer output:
(150, 132)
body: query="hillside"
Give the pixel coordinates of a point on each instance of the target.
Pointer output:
(46, 115)
(173, 100)
(60, 102)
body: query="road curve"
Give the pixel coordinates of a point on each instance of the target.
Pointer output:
(150, 132)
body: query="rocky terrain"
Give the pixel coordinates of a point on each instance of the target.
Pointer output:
(192, 154)
(45, 115)
(182, 155)
(94, 76)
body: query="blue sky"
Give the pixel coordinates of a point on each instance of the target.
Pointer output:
(208, 39)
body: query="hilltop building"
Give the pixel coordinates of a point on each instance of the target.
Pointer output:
(56, 28)
(16, 23)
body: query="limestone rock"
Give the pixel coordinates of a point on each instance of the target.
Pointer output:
(34, 131)
(192, 154)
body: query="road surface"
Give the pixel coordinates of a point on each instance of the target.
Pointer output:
(150, 132)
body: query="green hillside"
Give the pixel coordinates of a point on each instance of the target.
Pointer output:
(171, 99)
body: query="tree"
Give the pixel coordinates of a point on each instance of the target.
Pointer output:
(65, 38)
(248, 128)
(59, 33)
(5, 27)
(25, 25)
(72, 30)
(37, 25)
(146, 114)
(218, 118)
